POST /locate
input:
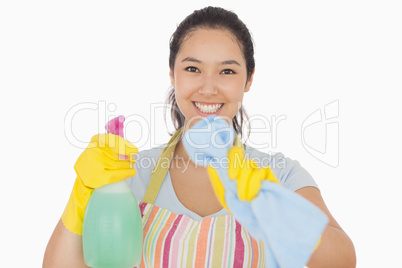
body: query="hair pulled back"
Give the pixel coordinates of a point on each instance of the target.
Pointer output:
(211, 18)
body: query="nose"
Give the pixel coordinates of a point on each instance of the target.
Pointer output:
(209, 86)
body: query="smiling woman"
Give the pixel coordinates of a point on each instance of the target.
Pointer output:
(231, 26)
(185, 220)
(216, 80)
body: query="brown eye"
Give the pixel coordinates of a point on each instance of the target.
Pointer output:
(192, 69)
(227, 71)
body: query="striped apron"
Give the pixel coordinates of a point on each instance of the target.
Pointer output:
(172, 240)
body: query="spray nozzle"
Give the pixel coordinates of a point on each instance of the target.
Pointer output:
(115, 126)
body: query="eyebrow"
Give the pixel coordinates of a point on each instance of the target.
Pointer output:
(226, 62)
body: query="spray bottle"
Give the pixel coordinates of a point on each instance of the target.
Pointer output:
(112, 231)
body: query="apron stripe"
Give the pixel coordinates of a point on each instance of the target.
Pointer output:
(210, 241)
(262, 259)
(250, 253)
(186, 240)
(176, 247)
(161, 239)
(149, 222)
(168, 241)
(219, 241)
(154, 234)
(142, 207)
(229, 243)
(192, 245)
(239, 248)
(255, 251)
(145, 211)
(247, 249)
(202, 243)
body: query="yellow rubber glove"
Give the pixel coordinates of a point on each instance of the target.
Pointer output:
(248, 175)
(99, 164)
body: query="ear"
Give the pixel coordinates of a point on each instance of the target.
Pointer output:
(171, 78)
(249, 82)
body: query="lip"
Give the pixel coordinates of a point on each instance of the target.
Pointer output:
(208, 103)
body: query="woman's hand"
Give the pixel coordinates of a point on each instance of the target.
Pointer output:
(100, 163)
(283, 220)
(288, 225)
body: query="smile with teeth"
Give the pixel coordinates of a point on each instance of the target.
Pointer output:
(208, 109)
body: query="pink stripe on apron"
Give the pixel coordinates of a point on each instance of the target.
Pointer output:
(176, 241)
(239, 248)
(166, 251)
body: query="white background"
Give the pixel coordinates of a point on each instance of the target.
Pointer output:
(55, 55)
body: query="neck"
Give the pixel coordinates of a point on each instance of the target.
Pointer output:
(180, 151)
(181, 159)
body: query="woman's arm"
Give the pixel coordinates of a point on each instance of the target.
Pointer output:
(336, 248)
(64, 249)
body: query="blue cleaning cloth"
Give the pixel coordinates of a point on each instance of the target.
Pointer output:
(288, 225)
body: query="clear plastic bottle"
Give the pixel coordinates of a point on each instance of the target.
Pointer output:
(112, 231)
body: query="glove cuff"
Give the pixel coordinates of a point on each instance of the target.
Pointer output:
(73, 215)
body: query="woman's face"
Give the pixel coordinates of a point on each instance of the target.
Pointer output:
(210, 75)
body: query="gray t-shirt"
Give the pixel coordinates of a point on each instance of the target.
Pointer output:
(289, 172)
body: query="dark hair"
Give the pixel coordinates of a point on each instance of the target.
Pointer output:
(211, 18)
